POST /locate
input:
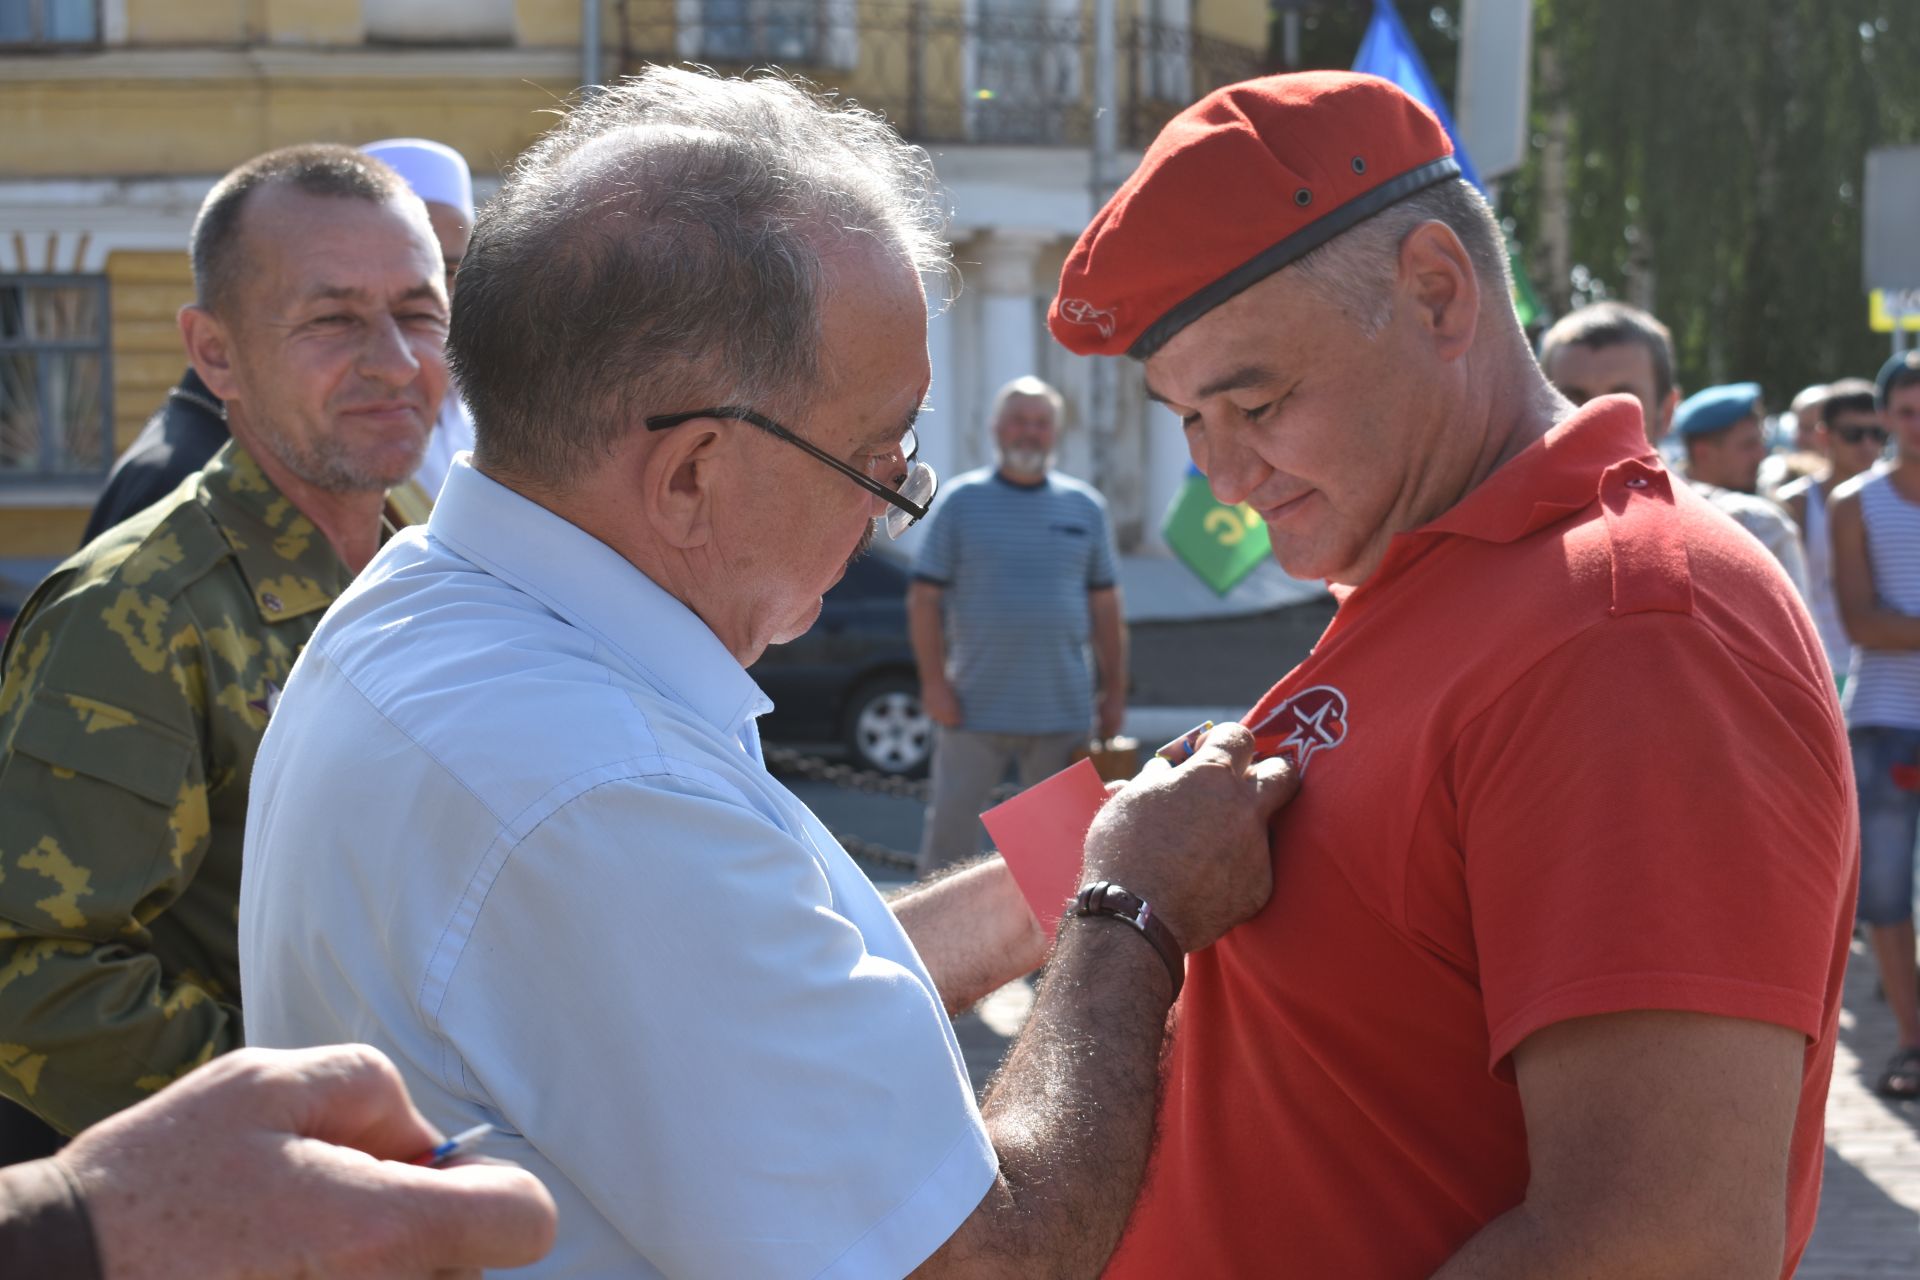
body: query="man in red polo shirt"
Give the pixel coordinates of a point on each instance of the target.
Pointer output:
(1550, 978)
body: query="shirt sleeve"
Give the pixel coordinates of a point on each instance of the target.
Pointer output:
(44, 1226)
(663, 996)
(1102, 566)
(939, 555)
(103, 823)
(1650, 821)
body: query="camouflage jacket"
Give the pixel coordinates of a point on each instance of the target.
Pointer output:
(133, 693)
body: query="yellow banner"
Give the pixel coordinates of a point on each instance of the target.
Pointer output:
(1880, 313)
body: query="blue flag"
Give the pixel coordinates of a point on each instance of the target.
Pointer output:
(1388, 51)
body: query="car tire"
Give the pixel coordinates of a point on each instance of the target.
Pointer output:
(887, 730)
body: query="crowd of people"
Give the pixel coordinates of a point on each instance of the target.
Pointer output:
(1840, 511)
(1440, 963)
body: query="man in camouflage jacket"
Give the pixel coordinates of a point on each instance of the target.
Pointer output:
(140, 676)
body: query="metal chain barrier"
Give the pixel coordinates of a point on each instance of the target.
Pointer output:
(785, 762)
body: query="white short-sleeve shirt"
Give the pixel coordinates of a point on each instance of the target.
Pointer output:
(510, 824)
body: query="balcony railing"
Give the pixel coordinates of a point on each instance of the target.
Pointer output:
(944, 75)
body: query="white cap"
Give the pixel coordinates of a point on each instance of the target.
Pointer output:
(434, 170)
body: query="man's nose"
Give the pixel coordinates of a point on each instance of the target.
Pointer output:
(387, 356)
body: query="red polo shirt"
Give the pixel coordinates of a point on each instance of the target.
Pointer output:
(1571, 750)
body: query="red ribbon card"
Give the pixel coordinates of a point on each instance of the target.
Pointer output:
(1042, 833)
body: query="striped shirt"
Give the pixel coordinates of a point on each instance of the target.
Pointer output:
(1883, 686)
(1017, 562)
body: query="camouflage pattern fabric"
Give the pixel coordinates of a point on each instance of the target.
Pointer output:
(133, 693)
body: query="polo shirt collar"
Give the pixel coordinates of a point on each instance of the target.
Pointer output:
(595, 588)
(1553, 477)
(289, 566)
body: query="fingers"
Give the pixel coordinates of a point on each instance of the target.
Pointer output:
(1230, 743)
(1275, 781)
(352, 1095)
(478, 1213)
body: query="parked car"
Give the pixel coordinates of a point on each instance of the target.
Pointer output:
(849, 683)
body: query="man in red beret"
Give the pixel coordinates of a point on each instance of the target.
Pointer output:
(1550, 978)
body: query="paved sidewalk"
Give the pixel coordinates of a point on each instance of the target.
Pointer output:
(1869, 1223)
(1870, 1204)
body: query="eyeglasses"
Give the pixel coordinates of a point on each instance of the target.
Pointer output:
(1854, 435)
(909, 492)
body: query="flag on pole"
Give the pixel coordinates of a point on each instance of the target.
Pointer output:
(1221, 544)
(1388, 51)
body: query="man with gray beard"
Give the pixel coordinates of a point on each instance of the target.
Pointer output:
(1016, 576)
(143, 671)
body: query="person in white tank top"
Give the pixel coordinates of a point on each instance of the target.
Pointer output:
(1848, 434)
(1874, 521)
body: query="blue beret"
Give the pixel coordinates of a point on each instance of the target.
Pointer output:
(1716, 409)
(1906, 361)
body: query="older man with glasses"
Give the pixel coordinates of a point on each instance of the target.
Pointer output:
(512, 824)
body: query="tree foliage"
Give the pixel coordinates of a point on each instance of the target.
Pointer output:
(1715, 159)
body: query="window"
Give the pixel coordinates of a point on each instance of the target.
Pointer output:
(49, 22)
(55, 421)
(787, 32)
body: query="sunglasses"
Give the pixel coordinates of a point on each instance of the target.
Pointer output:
(1854, 435)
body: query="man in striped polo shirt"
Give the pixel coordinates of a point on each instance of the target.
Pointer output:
(1015, 577)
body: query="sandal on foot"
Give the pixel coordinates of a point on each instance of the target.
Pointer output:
(1901, 1079)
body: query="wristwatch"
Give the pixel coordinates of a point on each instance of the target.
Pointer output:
(1104, 899)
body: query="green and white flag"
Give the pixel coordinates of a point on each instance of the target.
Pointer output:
(1221, 544)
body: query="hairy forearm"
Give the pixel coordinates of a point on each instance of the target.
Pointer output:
(1110, 641)
(927, 632)
(1071, 1113)
(972, 930)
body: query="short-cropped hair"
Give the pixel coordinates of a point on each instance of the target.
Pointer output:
(1027, 385)
(1356, 270)
(1849, 395)
(1608, 324)
(316, 168)
(661, 250)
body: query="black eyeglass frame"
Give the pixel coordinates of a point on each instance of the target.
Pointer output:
(915, 511)
(1854, 435)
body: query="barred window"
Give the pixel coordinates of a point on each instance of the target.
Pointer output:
(49, 22)
(55, 410)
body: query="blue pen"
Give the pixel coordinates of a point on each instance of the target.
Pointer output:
(1180, 748)
(453, 1148)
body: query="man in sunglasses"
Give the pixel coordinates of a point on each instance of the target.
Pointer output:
(1847, 434)
(515, 830)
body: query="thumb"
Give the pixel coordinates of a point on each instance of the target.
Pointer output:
(1275, 781)
(478, 1213)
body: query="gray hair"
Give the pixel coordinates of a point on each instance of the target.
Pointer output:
(1024, 386)
(664, 244)
(318, 169)
(1355, 270)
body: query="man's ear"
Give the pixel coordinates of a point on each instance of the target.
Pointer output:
(208, 350)
(677, 477)
(1437, 278)
(1667, 407)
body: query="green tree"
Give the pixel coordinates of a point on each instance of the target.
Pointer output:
(1714, 156)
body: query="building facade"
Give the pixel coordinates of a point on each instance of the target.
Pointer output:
(117, 115)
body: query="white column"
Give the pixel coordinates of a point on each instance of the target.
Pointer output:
(1009, 344)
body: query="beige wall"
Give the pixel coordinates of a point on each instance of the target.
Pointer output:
(145, 292)
(205, 127)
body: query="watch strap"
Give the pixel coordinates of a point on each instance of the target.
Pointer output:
(1105, 900)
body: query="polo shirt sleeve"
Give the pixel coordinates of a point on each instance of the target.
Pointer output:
(661, 994)
(1650, 821)
(939, 556)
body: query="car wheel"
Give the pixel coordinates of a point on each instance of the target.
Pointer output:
(887, 729)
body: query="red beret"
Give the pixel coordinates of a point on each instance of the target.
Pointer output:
(1246, 180)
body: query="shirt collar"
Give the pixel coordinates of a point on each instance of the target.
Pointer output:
(289, 566)
(1553, 477)
(595, 588)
